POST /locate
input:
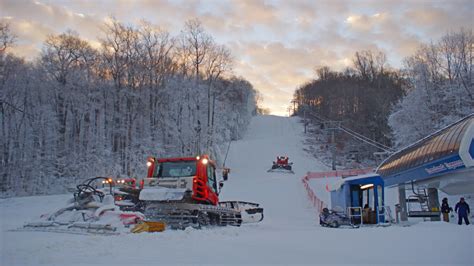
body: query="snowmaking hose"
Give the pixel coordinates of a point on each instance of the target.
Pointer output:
(86, 187)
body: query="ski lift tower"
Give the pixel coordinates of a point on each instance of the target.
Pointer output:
(331, 127)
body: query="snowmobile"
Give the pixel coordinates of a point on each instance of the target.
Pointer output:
(334, 219)
(184, 192)
(282, 165)
(91, 211)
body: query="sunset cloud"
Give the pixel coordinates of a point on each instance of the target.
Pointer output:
(276, 44)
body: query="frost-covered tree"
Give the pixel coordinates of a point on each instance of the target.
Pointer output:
(77, 112)
(66, 59)
(441, 88)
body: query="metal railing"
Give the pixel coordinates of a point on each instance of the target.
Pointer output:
(381, 212)
(355, 213)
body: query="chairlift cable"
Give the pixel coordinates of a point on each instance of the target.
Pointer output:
(355, 134)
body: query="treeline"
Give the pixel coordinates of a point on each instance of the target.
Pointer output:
(77, 111)
(395, 107)
(360, 97)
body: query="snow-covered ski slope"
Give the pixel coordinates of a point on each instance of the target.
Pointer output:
(288, 235)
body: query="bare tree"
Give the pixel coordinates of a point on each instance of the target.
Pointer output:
(457, 49)
(64, 53)
(324, 72)
(197, 44)
(218, 62)
(157, 57)
(369, 64)
(7, 38)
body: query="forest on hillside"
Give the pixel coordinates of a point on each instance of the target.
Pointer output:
(77, 111)
(391, 107)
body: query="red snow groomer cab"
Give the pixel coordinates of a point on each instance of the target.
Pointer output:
(282, 165)
(194, 175)
(184, 192)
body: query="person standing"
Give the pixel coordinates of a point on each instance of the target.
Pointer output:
(445, 210)
(462, 208)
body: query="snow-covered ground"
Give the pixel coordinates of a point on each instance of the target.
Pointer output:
(288, 235)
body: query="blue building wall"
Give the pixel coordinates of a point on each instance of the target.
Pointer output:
(431, 169)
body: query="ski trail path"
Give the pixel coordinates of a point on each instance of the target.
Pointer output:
(282, 195)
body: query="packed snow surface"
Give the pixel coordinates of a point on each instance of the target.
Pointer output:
(288, 235)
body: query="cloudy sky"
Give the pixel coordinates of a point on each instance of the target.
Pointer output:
(276, 44)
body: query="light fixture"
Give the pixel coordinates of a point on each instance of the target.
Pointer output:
(205, 161)
(148, 163)
(367, 186)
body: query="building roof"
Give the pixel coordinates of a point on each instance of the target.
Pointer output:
(442, 144)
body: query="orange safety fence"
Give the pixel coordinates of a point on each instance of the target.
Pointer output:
(317, 203)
